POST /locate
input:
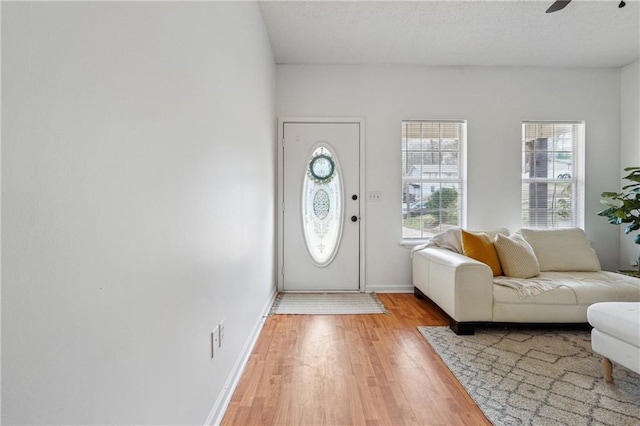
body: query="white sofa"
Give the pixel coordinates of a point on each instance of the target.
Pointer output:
(568, 282)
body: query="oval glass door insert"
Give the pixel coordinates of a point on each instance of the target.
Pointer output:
(322, 211)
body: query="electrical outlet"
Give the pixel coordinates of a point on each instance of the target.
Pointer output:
(221, 330)
(375, 196)
(215, 341)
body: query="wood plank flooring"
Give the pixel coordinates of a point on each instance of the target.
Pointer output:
(351, 370)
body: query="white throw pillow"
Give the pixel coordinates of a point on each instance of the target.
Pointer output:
(516, 256)
(562, 249)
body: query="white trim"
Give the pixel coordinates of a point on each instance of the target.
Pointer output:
(363, 204)
(404, 288)
(280, 197)
(413, 242)
(224, 397)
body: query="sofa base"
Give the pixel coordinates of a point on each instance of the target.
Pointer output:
(463, 328)
(467, 328)
(460, 328)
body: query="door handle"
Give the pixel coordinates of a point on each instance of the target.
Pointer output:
(354, 197)
(354, 218)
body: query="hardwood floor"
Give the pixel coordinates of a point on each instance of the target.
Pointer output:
(351, 370)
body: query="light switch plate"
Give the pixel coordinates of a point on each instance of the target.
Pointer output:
(215, 341)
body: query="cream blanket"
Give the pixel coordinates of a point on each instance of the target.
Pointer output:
(526, 287)
(450, 239)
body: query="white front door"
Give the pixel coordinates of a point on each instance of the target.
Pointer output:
(321, 209)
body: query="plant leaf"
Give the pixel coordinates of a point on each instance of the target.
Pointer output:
(632, 227)
(609, 194)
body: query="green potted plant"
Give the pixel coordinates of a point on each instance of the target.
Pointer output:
(624, 206)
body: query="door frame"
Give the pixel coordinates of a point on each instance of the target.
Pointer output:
(280, 192)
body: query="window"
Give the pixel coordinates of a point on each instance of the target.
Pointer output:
(553, 174)
(322, 208)
(433, 177)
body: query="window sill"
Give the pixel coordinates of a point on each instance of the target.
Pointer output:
(412, 243)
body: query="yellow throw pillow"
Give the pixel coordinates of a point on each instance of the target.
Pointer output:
(480, 247)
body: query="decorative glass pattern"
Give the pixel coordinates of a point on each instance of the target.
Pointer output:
(322, 205)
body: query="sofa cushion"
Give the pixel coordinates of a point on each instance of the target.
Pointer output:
(562, 249)
(480, 247)
(575, 288)
(516, 256)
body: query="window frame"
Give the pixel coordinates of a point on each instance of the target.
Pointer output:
(460, 181)
(575, 179)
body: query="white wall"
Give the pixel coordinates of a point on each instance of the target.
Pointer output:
(495, 101)
(138, 166)
(630, 147)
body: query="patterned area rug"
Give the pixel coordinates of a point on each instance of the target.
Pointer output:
(327, 304)
(538, 377)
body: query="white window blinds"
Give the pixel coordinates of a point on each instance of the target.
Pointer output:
(553, 174)
(433, 176)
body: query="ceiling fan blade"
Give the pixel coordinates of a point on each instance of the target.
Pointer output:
(558, 5)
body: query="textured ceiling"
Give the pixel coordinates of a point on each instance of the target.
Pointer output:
(454, 33)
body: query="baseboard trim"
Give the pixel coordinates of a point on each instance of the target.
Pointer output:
(390, 288)
(222, 402)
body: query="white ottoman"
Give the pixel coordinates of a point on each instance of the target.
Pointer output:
(616, 334)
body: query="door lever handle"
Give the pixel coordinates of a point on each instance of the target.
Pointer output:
(354, 218)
